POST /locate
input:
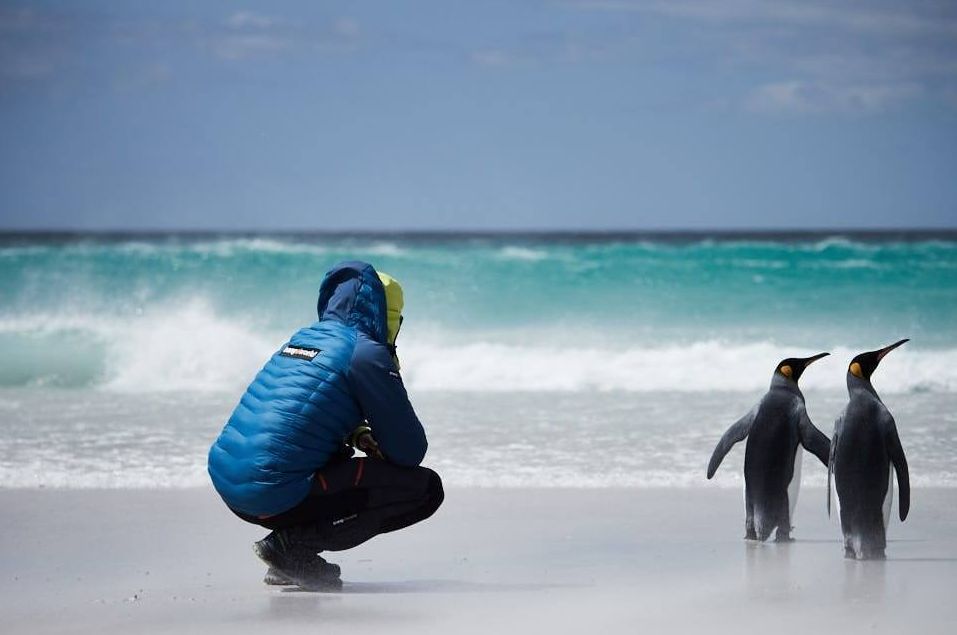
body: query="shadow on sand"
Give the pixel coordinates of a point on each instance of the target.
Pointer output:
(812, 541)
(430, 586)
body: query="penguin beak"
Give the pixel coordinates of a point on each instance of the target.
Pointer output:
(887, 349)
(810, 360)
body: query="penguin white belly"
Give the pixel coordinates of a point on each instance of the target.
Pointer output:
(794, 487)
(889, 497)
(836, 499)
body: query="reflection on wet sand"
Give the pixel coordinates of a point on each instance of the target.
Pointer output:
(864, 581)
(768, 570)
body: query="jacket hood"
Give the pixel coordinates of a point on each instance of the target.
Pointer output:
(394, 303)
(353, 294)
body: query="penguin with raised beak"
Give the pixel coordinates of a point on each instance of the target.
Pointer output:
(864, 449)
(776, 429)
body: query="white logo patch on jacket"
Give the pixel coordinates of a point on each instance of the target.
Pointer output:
(299, 352)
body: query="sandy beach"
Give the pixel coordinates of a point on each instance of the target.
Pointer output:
(491, 560)
(553, 251)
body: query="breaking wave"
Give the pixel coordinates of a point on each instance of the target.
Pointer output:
(190, 346)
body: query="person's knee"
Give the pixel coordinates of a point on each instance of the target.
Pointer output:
(435, 493)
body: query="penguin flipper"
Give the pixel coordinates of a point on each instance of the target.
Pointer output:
(830, 462)
(895, 453)
(829, 472)
(813, 440)
(735, 433)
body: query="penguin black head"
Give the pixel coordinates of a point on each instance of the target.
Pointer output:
(793, 367)
(864, 365)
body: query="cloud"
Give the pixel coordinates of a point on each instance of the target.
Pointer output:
(246, 35)
(74, 49)
(140, 77)
(346, 27)
(869, 17)
(796, 97)
(493, 57)
(514, 57)
(248, 20)
(893, 64)
(544, 48)
(839, 56)
(29, 46)
(243, 46)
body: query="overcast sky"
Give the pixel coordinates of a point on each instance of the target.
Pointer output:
(478, 115)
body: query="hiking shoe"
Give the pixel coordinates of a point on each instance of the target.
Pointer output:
(296, 562)
(275, 577)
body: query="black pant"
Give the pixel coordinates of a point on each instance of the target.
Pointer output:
(355, 499)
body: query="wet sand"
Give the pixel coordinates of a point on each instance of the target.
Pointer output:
(491, 560)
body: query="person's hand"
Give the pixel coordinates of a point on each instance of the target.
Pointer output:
(367, 443)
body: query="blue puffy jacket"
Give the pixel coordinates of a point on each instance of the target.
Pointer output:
(309, 397)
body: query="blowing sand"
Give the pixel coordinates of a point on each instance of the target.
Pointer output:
(490, 561)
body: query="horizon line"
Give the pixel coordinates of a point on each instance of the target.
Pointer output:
(425, 234)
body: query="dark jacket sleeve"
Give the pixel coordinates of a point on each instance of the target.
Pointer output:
(381, 395)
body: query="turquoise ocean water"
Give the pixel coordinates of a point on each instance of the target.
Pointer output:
(122, 355)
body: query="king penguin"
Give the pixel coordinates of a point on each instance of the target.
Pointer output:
(776, 429)
(864, 448)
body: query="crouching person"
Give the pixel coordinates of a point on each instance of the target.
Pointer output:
(285, 460)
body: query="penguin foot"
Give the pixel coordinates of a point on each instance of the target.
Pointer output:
(783, 536)
(849, 554)
(751, 535)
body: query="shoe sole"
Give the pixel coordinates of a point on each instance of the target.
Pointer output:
(275, 578)
(279, 577)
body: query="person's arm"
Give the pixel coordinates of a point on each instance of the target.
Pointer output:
(381, 396)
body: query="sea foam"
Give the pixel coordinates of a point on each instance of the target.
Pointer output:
(507, 314)
(184, 348)
(695, 367)
(192, 347)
